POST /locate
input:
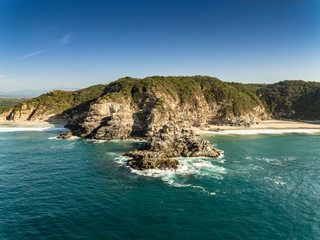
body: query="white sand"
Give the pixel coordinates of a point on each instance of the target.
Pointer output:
(58, 123)
(264, 125)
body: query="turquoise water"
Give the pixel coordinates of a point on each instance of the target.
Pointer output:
(264, 187)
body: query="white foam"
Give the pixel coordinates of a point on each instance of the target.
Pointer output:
(200, 167)
(97, 141)
(202, 164)
(36, 129)
(261, 131)
(56, 138)
(276, 180)
(120, 159)
(221, 154)
(222, 161)
(272, 161)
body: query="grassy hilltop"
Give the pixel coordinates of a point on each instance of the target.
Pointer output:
(237, 98)
(286, 99)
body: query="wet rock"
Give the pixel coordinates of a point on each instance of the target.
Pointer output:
(173, 140)
(144, 159)
(65, 135)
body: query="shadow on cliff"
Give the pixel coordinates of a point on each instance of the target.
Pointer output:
(64, 117)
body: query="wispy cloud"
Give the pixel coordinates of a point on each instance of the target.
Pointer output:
(66, 39)
(30, 55)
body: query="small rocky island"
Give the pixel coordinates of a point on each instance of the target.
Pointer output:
(173, 140)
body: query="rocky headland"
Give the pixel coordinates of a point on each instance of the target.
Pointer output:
(163, 110)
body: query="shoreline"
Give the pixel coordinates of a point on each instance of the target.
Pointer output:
(37, 123)
(266, 126)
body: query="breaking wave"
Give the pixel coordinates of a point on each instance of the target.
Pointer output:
(197, 167)
(56, 138)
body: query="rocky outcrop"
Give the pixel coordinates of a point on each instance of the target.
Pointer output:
(65, 135)
(173, 140)
(244, 120)
(162, 111)
(141, 107)
(104, 120)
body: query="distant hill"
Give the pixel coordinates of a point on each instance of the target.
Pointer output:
(30, 93)
(52, 104)
(294, 99)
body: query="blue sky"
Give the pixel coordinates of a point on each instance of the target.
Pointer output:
(48, 44)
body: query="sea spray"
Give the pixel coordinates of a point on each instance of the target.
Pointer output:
(197, 167)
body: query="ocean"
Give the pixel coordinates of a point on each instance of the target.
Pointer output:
(265, 186)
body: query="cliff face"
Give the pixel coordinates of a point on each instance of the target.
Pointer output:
(131, 107)
(139, 107)
(52, 105)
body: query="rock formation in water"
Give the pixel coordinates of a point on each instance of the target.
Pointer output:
(65, 135)
(173, 140)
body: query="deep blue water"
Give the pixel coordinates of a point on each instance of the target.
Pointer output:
(265, 187)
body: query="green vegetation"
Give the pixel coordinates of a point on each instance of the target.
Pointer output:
(287, 99)
(292, 99)
(6, 103)
(236, 97)
(58, 101)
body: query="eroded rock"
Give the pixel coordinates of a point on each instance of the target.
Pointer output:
(173, 140)
(65, 135)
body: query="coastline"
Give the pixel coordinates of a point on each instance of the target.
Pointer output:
(266, 126)
(37, 123)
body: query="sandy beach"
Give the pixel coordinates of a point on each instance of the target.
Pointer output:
(264, 125)
(57, 123)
